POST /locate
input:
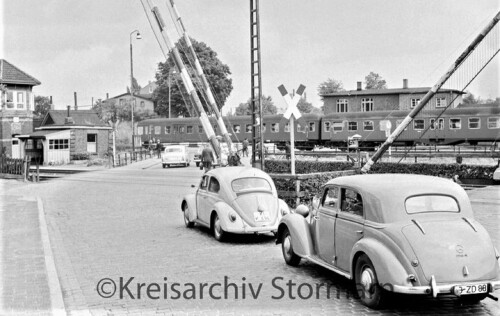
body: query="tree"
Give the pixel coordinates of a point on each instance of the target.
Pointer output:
(374, 81)
(330, 86)
(168, 80)
(304, 107)
(110, 110)
(42, 105)
(470, 98)
(268, 107)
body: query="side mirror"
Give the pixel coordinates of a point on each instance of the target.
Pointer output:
(302, 210)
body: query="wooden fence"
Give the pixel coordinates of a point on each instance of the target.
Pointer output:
(12, 168)
(123, 159)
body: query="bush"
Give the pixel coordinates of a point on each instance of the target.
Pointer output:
(320, 172)
(80, 156)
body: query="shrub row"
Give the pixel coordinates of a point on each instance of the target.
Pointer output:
(321, 172)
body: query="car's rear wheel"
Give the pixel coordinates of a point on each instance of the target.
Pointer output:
(219, 233)
(197, 164)
(287, 249)
(185, 211)
(164, 165)
(369, 290)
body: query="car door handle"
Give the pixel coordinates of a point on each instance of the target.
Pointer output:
(316, 218)
(359, 232)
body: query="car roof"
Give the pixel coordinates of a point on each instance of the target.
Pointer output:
(228, 174)
(384, 195)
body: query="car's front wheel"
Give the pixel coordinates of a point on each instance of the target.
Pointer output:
(367, 286)
(164, 166)
(290, 257)
(185, 211)
(219, 233)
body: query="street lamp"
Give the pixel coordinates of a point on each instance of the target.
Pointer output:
(138, 36)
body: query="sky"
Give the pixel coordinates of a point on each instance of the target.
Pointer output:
(83, 46)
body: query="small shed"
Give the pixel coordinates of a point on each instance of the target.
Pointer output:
(64, 135)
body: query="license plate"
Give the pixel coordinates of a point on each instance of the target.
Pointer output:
(471, 289)
(261, 216)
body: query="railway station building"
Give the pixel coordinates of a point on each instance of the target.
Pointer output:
(375, 100)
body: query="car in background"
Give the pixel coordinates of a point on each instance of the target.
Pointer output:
(240, 200)
(409, 234)
(197, 156)
(175, 155)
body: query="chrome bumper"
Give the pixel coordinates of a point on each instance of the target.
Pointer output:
(253, 230)
(435, 289)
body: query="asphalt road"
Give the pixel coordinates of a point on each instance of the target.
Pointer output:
(125, 226)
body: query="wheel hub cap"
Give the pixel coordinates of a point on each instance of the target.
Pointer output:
(367, 279)
(287, 246)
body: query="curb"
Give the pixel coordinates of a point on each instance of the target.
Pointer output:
(56, 297)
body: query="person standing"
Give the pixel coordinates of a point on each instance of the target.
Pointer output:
(245, 148)
(288, 150)
(207, 158)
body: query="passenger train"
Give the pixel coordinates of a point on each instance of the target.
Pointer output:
(465, 124)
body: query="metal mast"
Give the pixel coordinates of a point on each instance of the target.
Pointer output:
(158, 26)
(256, 81)
(203, 78)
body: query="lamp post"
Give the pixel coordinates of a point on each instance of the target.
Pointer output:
(171, 73)
(138, 36)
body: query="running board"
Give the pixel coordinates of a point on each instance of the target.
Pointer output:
(320, 262)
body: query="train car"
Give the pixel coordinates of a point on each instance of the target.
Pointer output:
(463, 124)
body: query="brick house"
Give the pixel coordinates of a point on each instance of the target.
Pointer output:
(17, 104)
(404, 98)
(64, 134)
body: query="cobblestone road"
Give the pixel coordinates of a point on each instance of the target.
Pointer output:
(126, 223)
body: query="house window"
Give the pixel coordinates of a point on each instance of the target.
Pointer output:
(10, 100)
(312, 126)
(474, 123)
(275, 127)
(342, 105)
(338, 126)
(29, 144)
(418, 125)
(368, 125)
(353, 126)
(151, 89)
(200, 129)
(455, 123)
(92, 143)
(287, 128)
(20, 100)
(441, 102)
(189, 130)
(237, 128)
(168, 129)
(366, 104)
(139, 130)
(327, 126)
(493, 122)
(157, 130)
(414, 102)
(437, 125)
(143, 104)
(121, 102)
(59, 144)
(248, 128)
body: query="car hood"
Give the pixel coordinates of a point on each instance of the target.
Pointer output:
(452, 251)
(248, 205)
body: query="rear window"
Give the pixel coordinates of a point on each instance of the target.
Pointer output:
(250, 184)
(430, 204)
(173, 150)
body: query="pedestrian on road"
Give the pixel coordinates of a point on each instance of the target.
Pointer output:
(207, 158)
(245, 148)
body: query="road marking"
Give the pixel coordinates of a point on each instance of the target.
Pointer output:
(56, 297)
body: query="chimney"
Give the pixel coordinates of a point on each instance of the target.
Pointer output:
(107, 95)
(51, 104)
(359, 86)
(405, 83)
(68, 119)
(76, 102)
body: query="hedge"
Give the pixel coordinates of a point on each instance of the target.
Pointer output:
(316, 173)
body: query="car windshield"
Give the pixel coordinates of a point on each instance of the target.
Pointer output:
(250, 184)
(431, 203)
(173, 150)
